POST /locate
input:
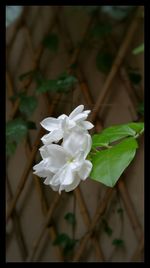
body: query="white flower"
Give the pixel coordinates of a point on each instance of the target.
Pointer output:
(61, 127)
(65, 166)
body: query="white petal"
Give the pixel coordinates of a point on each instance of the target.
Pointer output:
(87, 124)
(85, 170)
(77, 143)
(76, 111)
(64, 174)
(62, 116)
(44, 152)
(80, 117)
(54, 136)
(48, 179)
(73, 185)
(42, 169)
(87, 112)
(74, 142)
(50, 123)
(87, 145)
(57, 157)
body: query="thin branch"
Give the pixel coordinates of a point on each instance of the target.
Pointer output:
(87, 220)
(44, 227)
(29, 162)
(117, 62)
(100, 211)
(17, 226)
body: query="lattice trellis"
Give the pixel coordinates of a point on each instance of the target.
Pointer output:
(54, 18)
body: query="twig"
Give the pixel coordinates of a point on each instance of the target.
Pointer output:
(29, 163)
(139, 250)
(17, 226)
(130, 209)
(45, 225)
(100, 211)
(86, 218)
(44, 205)
(117, 62)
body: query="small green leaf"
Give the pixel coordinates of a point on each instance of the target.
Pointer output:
(66, 242)
(31, 125)
(16, 130)
(140, 109)
(70, 246)
(115, 133)
(118, 242)
(120, 211)
(109, 164)
(135, 78)
(70, 217)
(104, 61)
(47, 85)
(51, 41)
(107, 228)
(27, 105)
(62, 84)
(10, 148)
(101, 30)
(65, 82)
(138, 49)
(61, 239)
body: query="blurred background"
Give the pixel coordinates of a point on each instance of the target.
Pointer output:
(58, 57)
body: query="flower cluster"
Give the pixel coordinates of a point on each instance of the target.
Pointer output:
(65, 165)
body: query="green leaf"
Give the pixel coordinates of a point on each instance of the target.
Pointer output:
(138, 49)
(51, 41)
(120, 211)
(118, 242)
(70, 246)
(16, 130)
(27, 105)
(61, 239)
(62, 84)
(140, 109)
(31, 125)
(109, 164)
(70, 217)
(66, 81)
(65, 241)
(107, 228)
(101, 30)
(135, 78)
(104, 61)
(10, 148)
(115, 133)
(47, 85)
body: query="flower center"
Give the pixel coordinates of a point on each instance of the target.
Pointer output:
(70, 160)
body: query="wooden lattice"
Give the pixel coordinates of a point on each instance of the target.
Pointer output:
(91, 234)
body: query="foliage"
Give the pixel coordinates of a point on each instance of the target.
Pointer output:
(111, 160)
(62, 84)
(51, 41)
(27, 105)
(138, 49)
(104, 61)
(101, 30)
(107, 229)
(70, 218)
(118, 242)
(134, 77)
(66, 242)
(140, 109)
(15, 131)
(117, 12)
